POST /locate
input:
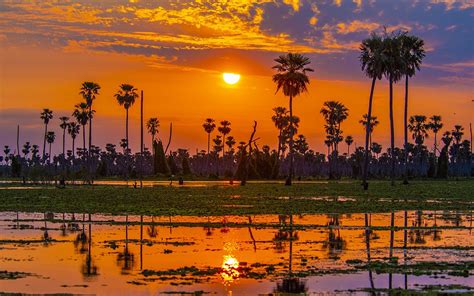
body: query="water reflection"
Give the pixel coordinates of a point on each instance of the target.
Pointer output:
(126, 258)
(263, 254)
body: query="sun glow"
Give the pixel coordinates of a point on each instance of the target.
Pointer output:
(230, 269)
(231, 78)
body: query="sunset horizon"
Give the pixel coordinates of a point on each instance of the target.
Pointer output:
(236, 147)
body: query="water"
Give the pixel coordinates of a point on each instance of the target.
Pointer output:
(233, 255)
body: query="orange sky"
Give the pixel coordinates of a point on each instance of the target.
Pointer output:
(187, 88)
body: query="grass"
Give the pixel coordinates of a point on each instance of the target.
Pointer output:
(255, 198)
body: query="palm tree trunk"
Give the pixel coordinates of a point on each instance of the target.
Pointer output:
(290, 175)
(367, 135)
(44, 139)
(84, 137)
(392, 233)
(64, 143)
(90, 129)
(208, 150)
(49, 156)
(223, 146)
(73, 140)
(405, 130)
(141, 123)
(126, 126)
(392, 135)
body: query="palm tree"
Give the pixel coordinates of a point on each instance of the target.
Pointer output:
(89, 90)
(50, 137)
(126, 96)
(435, 125)
(281, 120)
(26, 149)
(73, 130)
(209, 126)
(291, 77)
(152, 126)
(230, 142)
(349, 140)
(334, 113)
(372, 61)
(224, 129)
(373, 123)
(412, 54)
(46, 115)
(64, 125)
(417, 125)
(394, 69)
(82, 117)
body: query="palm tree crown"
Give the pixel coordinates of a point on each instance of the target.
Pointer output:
(126, 95)
(152, 126)
(209, 125)
(46, 115)
(371, 56)
(412, 53)
(291, 74)
(89, 90)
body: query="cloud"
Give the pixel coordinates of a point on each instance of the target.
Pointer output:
(357, 26)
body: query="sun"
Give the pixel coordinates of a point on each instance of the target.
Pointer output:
(231, 78)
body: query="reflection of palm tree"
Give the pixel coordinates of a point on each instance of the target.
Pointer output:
(89, 269)
(46, 237)
(367, 244)
(80, 243)
(152, 230)
(334, 243)
(251, 235)
(290, 284)
(63, 226)
(283, 235)
(392, 233)
(417, 236)
(126, 259)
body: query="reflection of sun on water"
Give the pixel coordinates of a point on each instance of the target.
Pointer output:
(230, 271)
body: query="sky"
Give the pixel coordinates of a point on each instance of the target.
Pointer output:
(176, 52)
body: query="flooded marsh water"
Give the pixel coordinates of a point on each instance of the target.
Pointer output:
(235, 255)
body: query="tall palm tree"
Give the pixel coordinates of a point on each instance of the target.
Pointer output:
(349, 140)
(230, 142)
(334, 113)
(126, 96)
(209, 126)
(46, 115)
(372, 61)
(224, 129)
(50, 137)
(412, 54)
(281, 120)
(373, 123)
(394, 69)
(81, 114)
(73, 130)
(64, 125)
(291, 77)
(419, 128)
(89, 91)
(435, 125)
(152, 126)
